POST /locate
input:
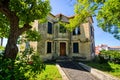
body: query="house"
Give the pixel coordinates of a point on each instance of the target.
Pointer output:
(97, 50)
(114, 48)
(57, 41)
(100, 47)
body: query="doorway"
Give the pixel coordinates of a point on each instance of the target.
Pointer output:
(62, 49)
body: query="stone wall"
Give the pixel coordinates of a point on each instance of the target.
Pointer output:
(84, 39)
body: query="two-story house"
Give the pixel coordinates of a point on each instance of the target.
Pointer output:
(57, 41)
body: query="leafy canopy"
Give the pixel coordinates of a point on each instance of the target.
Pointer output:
(27, 11)
(4, 26)
(107, 13)
(30, 10)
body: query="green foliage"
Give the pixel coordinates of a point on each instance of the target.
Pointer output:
(27, 65)
(6, 71)
(50, 73)
(106, 11)
(30, 10)
(62, 29)
(27, 11)
(111, 68)
(33, 35)
(4, 26)
(82, 10)
(2, 48)
(115, 70)
(30, 35)
(1, 51)
(110, 55)
(108, 17)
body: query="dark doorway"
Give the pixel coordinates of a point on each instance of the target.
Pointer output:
(62, 49)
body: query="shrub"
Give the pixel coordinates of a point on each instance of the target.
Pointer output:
(110, 55)
(27, 65)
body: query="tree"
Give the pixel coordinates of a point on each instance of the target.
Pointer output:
(20, 14)
(107, 13)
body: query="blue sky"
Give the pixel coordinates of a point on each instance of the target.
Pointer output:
(66, 7)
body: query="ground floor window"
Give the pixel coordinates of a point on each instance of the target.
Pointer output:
(75, 47)
(49, 45)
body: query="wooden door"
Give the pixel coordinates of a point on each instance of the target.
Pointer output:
(62, 49)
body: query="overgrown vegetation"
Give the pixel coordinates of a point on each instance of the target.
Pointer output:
(27, 65)
(109, 55)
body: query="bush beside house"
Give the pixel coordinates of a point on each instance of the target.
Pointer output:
(109, 55)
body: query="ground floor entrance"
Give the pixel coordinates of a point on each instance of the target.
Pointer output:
(62, 49)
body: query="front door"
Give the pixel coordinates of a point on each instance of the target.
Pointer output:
(62, 49)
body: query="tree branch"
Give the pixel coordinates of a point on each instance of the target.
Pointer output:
(24, 28)
(4, 4)
(4, 8)
(12, 17)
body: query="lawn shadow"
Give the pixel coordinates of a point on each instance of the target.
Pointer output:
(104, 66)
(65, 64)
(50, 62)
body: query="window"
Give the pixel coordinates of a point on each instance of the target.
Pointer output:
(75, 48)
(49, 28)
(76, 31)
(48, 47)
(62, 29)
(93, 48)
(91, 31)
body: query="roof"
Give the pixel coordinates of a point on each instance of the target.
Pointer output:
(58, 15)
(114, 46)
(69, 17)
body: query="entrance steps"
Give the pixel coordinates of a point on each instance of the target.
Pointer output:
(63, 58)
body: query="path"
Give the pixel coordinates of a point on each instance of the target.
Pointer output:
(75, 72)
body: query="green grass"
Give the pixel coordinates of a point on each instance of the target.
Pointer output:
(50, 73)
(111, 68)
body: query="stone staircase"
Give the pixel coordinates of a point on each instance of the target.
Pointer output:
(63, 58)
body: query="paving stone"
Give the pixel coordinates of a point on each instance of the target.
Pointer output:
(75, 72)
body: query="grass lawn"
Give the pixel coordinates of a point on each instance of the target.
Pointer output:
(50, 73)
(111, 68)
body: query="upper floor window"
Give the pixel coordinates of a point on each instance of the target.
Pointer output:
(76, 31)
(75, 47)
(49, 28)
(91, 31)
(62, 29)
(49, 45)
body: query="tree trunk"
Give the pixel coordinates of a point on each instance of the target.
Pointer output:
(11, 49)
